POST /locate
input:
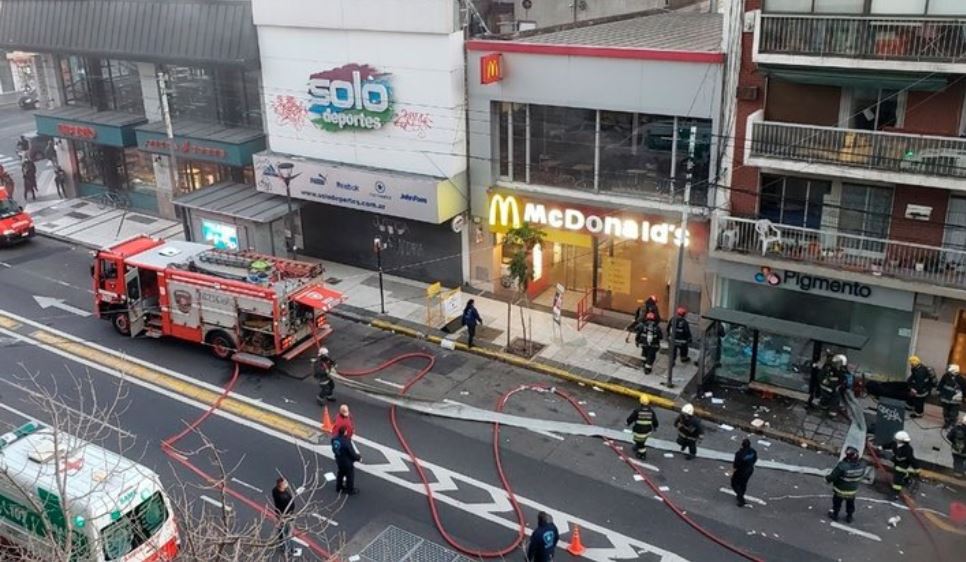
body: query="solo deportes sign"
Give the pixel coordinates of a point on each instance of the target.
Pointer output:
(354, 96)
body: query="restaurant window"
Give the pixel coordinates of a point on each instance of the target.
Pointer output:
(228, 97)
(635, 152)
(90, 162)
(105, 84)
(139, 168)
(793, 201)
(562, 146)
(194, 175)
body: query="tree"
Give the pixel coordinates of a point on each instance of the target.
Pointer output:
(521, 241)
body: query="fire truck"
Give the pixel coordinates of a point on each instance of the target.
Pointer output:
(235, 302)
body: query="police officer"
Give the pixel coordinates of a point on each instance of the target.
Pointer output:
(323, 370)
(845, 478)
(543, 540)
(644, 422)
(921, 382)
(689, 430)
(957, 440)
(744, 467)
(649, 339)
(832, 380)
(951, 386)
(345, 461)
(679, 332)
(905, 466)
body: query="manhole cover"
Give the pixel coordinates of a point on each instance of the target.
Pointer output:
(397, 545)
(78, 216)
(142, 219)
(333, 280)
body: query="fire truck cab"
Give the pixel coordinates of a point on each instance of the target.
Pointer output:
(231, 301)
(15, 224)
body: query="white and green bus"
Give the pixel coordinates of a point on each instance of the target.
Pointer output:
(113, 509)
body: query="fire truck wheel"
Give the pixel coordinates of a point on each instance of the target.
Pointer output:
(122, 324)
(221, 344)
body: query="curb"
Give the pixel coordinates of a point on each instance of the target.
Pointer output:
(67, 240)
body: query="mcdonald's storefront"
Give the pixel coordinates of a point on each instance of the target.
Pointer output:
(615, 257)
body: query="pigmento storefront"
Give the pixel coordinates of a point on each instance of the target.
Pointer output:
(615, 257)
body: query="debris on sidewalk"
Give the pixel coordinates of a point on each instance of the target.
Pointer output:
(894, 520)
(726, 427)
(764, 443)
(717, 401)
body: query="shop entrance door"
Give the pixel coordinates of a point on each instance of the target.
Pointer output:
(957, 352)
(578, 268)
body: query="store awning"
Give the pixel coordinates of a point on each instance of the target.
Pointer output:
(231, 146)
(110, 128)
(787, 328)
(237, 201)
(319, 298)
(856, 79)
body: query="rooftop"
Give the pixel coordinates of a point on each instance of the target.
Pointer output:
(669, 32)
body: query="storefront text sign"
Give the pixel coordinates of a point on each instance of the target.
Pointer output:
(68, 130)
(491, 68)
(616, 273)
(184, 148)
(354, 96)
(508, 211)
(809, 283)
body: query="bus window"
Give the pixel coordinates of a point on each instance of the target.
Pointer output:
(134, 528)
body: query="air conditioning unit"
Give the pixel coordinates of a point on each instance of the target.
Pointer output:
(748, 93)
(918, 212)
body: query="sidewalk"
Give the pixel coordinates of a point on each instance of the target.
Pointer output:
(85, 223)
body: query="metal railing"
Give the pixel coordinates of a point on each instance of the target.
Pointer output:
(908, 39)
(848, 252)
(882, 151)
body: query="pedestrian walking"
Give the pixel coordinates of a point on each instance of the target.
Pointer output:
(344, 421)
(471, 318)
(952, 391)
(345, 460)
(921, 381)
(845, 478)
(23, 148)
(649, 338)
(679, 332)
(324, 365)
(689, 430)
(60, 180)
(957, 441)
(643, 422)
(284, 503)
(543, 540)
(744, 467)
(29, 171)
(6, 181)
(833, 380)
(904, 464)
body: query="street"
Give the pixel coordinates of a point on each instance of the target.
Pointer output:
(270, 426)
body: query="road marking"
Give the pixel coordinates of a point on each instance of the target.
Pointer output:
(390, 383)
(246, 485)
(752, 499)
(8, 323)
(47, 302)
(60, 405)
(214, 502)
(276, 422)
(855, 531)
(332, 522)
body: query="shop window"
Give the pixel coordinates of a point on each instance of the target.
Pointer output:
(562, 143)
(90, 162)
(225, 96)
(502, 112)
(635, 152)
(793, 201)
(866, 211)
(195, 174)
(105, 84)
(518, 121)
(140, 169)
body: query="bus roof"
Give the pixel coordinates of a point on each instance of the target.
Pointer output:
(98, 482)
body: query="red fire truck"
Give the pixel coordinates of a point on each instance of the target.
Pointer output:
(233, 301)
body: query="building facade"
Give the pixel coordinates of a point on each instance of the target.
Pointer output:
(595, 134)
(847, 207)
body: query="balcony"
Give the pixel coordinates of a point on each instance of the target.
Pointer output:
(845, 252)
(874, 43)
(891, 157)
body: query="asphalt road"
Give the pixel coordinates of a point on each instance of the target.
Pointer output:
(577, 479)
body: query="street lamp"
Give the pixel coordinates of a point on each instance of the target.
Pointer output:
(285, 170)
(379, 246)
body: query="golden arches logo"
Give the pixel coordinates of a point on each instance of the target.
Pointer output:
(504, 211)
(491, 68)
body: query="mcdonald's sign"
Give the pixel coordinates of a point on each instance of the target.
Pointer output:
(491, 68)
(504, 211)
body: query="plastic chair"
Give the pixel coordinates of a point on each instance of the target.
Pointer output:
(768, 234)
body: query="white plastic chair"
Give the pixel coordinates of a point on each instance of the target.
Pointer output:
(768, 234)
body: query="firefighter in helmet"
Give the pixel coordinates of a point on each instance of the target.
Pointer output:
(649, 338)
(679, 332)
(643, 422)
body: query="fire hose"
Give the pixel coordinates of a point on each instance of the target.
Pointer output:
(518, 512)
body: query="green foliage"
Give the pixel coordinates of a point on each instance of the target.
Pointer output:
(522, 239)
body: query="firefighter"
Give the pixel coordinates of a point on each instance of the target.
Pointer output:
(833, 378)
(845, 478)
(957, 440)
(818, 371)
(952, 388)
(689, 430)
(324, 365)
(921, 381)
(679, 332)
(649, 339)
(905, 466)
(650, 306)
(644, 422)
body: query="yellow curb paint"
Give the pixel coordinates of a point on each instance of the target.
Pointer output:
(8, 323)
(184, 388)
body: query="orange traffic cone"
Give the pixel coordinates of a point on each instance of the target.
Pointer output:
(576, 547)
(326, 420)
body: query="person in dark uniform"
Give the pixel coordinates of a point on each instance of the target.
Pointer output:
(845, 478)
(957, 441)
(29, 172)
(284, 503)
(543, 540)
(831, 385)
(60, 180)
(471, 318)
(323, 374)
(643, 422)
(689, 430)
(345, 460)
(679, 332)
(649, 338)
(815, 377)
(921, 381)
(904, 464)
(744, 467)
(650, 306)
(952, 391)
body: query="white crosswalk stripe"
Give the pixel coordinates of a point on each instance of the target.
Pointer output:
(10, 163)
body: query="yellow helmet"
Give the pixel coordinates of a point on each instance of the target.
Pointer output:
(914, 360)
(645, 401)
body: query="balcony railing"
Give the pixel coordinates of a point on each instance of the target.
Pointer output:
(943, 157)
(848, 252)
(906, 39)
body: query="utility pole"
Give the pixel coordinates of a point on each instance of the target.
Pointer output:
(675, 294)
(378, 246)
(285, 171)
(169, 130)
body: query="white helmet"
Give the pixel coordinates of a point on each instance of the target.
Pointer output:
(902, 437)
(323, 351)
(840, 360)
(687, 410)
(954, 369)
(963, 420)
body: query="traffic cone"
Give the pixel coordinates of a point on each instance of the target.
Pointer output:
(957, 512)
(576, 547)
(326, 420)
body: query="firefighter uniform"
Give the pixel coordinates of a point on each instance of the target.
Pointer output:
(905, 466)
(951, 387)
(689, 430)
(679, 332)
(643, 422)
(833, 377)
(957, 440)
(845, 478)
(649, 337)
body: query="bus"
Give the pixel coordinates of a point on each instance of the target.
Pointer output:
(115, 508)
